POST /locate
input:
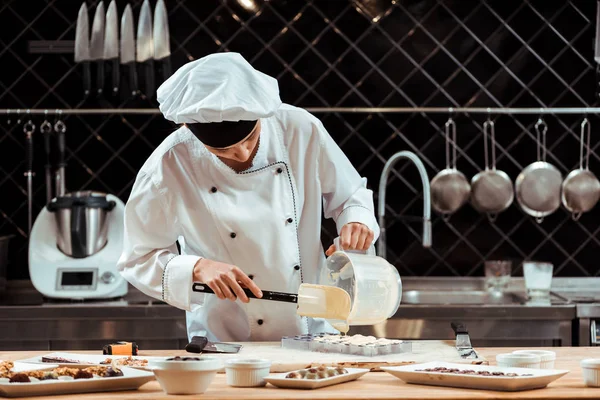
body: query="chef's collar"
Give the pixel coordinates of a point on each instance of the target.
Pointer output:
(220, 135)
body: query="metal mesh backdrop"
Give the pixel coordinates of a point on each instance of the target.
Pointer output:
(343, 53)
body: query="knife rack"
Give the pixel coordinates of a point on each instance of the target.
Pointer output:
(51, 46)
(350, 110)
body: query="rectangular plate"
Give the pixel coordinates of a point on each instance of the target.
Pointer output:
(20, 366)
(540, 379)
(281, 381)
(87, 360)
(132, 379)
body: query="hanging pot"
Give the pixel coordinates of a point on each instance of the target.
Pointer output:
(491, 189)
(581, 188)
(538, 186)
(449, 188)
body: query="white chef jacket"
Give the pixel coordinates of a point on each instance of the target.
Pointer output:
(266, 221)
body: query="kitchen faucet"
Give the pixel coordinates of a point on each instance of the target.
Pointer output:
(381, 246)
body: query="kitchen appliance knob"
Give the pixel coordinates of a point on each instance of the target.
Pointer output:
(107, 277)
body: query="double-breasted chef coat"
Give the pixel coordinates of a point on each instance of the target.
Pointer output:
(266, 221)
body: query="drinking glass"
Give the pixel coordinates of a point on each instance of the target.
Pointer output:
(538, 278)
(497, 275)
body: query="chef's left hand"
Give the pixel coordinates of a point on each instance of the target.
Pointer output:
(353, 236)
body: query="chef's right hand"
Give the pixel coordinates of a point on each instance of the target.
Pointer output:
(224, 280)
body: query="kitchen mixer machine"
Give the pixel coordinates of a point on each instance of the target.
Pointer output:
(76, 241)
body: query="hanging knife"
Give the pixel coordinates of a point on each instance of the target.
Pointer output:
(128, 48)
(97, 45)
(82, 47)
(162, 49)
(111, 45)
(597, 50)
(145, 48)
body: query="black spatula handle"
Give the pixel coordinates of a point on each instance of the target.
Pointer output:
(267, 295)
(459, 327)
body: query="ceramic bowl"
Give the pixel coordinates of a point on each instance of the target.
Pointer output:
(185, 375)
(547, 358)
(518, 360)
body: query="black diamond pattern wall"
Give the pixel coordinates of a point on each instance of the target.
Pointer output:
(340, 53)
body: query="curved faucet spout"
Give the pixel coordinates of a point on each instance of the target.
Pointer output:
(381, 245)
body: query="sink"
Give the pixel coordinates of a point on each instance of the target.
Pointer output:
(458, 297)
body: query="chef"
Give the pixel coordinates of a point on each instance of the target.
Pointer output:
(242, 186)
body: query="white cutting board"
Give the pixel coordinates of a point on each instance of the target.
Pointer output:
(285, 360)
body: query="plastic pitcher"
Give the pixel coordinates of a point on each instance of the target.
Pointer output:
(374, 285)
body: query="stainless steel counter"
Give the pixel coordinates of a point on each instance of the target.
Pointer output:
(506, 321)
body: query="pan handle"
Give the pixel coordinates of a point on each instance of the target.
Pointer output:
(585, 128)
(541, 128)
(459, 327)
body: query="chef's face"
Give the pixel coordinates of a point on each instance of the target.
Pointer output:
(242, 151)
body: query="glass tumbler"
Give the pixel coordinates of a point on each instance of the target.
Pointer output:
(497, 275)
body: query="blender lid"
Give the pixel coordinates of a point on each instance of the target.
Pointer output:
(87, 199)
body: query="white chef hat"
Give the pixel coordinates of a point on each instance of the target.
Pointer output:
(220, 87)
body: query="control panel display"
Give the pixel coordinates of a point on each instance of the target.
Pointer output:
(77, 279)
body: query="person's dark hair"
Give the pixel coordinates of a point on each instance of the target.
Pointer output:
(222, 134)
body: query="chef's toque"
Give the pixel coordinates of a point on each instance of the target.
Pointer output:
(219, 97)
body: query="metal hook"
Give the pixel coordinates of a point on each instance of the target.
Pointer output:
(450, 124)
(585, 124)
(29, 128)
(18, 116)
(8, 116)
(540, 122)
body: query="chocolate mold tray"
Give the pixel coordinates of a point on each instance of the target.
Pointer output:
(354, 345)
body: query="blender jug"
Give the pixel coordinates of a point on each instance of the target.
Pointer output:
(374, 285)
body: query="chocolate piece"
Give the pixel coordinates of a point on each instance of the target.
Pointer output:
(470, 372)
(59, 360)
(177, 358)
(81, 374)
(19, 378)
(294, 375)
(50, 375)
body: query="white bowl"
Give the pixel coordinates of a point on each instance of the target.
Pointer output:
(591, 371)
(185, 377)
(247, 372)
(518, 360)
(547, 358)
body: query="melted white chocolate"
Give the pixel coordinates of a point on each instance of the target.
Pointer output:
(328, 302)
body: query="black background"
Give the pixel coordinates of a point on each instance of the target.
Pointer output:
(342, 53)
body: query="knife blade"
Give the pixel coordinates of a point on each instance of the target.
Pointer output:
(82, 47)
(97, 45)
(145, 48)
(128, 48)
(111, 45)
(200, 344)
(463, 341)
(162, 48)
(597, 49)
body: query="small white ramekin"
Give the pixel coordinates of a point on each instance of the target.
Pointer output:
(247, 372)
(518, 360)
(591, 371)
(547, 358)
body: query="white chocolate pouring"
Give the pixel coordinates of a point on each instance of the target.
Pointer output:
(328, 302)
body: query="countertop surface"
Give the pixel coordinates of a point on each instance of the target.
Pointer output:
(374, 385)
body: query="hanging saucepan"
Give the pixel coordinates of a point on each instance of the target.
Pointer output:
(581, 188)
(450, 189)
(491, 190)
(538, 186)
